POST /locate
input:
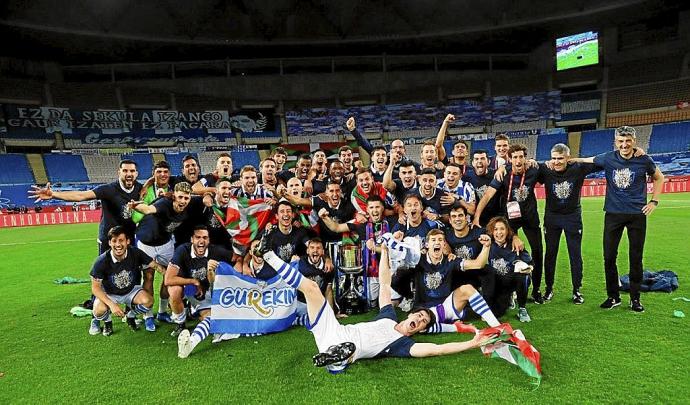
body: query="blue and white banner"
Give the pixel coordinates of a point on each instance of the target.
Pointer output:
(243, 304)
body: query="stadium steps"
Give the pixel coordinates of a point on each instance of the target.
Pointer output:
(644, 133)
(574, 143)
(37, 167)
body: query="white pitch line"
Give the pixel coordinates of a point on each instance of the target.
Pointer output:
(46, 241)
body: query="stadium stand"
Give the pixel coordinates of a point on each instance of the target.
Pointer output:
(674, 164)
(398, 119)
(579, 106)
(144, 163)
(101, 168)
(647, 96)
(667, 138)
(242, 158)
(14, 195)
(37, 167)
(670, 114)
(65, 168)
(546, 142)
(207, 160)
(519, 126)
(20, 173)
(175, 160)
(596, 142)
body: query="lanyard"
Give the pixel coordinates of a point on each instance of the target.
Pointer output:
(510, 187)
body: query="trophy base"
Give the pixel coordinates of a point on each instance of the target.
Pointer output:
(352, 305)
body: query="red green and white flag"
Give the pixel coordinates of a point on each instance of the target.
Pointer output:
(511, 346)
(244, 219)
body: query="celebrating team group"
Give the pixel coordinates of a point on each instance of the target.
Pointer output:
(438, 237)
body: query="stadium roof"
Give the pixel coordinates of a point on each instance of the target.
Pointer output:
(106, 31)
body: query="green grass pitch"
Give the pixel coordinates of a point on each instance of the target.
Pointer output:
(588, 54)
(588, 355)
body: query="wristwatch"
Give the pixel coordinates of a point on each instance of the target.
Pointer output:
(655, 202)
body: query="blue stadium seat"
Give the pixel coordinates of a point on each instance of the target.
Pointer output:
(670, 138)
(241, 158)
(595, 142)
(546, 142)
(15, 195)
(175, 160)
(144, 163)
(15, 169)
(486, 144)
(65, 168)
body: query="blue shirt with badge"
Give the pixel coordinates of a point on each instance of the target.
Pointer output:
(626, 181)
(120, 277)
(468, 246)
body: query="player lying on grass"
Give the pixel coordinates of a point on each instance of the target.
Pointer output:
(116, 279)
(339, 345)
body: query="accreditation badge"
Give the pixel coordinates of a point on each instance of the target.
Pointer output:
(513, 208)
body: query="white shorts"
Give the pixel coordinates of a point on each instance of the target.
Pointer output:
(326, 329)
(123, 299)
(197, 306)
(446, 313)
(161, 254)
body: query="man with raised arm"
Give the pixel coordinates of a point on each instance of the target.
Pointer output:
(340, 345)
(114, 198)
(626, 207)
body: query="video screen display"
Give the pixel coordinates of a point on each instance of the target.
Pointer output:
(577, 50)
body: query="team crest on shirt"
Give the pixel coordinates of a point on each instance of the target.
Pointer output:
(126, 213)
(623, 178)
(317, 279)
(501, 266)
(520, 194)
(285, 252)
(481, 190)
(199, 274)
(563, 189)
(433, 280)
(172, 226)
(214, 222)
(463, 252)
(122, 279)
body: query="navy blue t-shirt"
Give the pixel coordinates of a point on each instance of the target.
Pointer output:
(626, 181)
(294, 243)
(563, 189)
(341, 214)
(467, 247)
(481, 184)
(114, 208)
(196, 267)
(119, 278)
(402, 346)
(434, 281)
(401, 191)
(419, 231)
(434, 203)
(522, 192)
(502, 259)
(156, 229)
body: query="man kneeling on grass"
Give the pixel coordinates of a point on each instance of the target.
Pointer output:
(116, 280)
(340, 345)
